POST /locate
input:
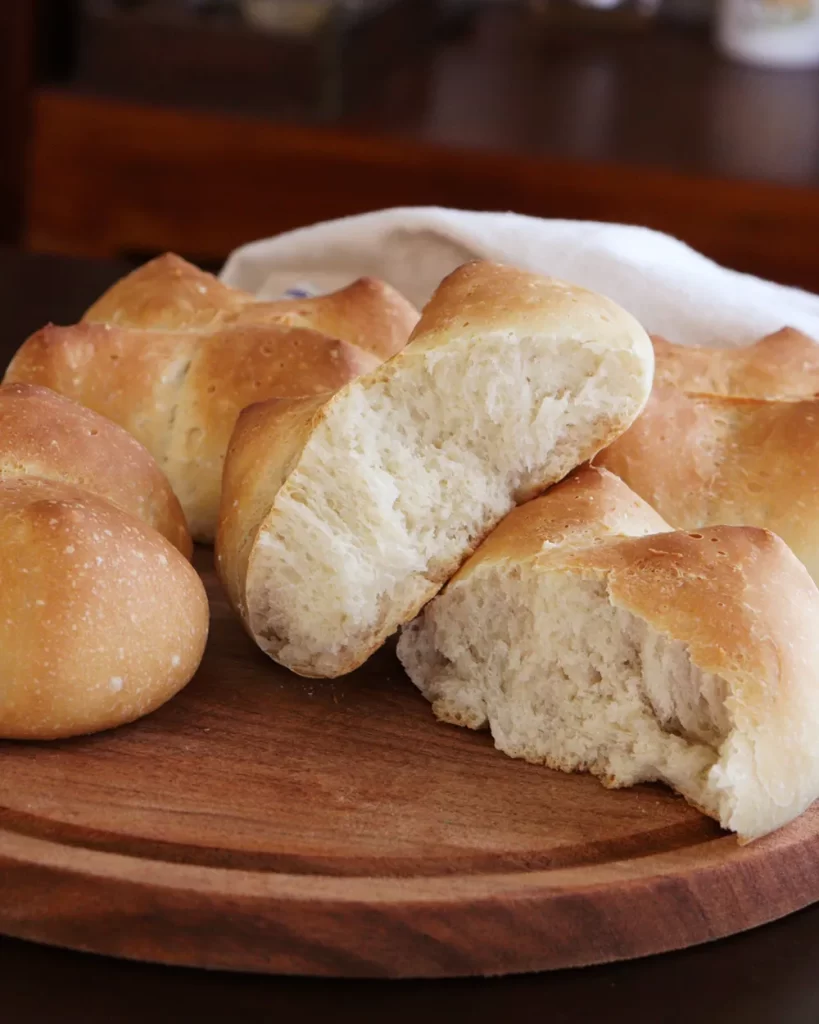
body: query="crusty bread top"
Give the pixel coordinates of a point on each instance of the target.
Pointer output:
(43, 434)
(133, 377)
(180, 392)
(168, 293)
(173, 355)
(589, 505)
(266, 444)
(367, 313)
(781, 365)
(482, 297)
(101, 619)
(702, 460)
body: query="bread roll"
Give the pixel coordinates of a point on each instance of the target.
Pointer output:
(45, 435)
(781, 365)
(101, 619)
(691, 659)
(173, 295)
(342, 516)
(179, 355)
(167, 294)
(703, 460)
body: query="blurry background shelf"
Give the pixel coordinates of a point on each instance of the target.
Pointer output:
(653, 128)
(309, 59)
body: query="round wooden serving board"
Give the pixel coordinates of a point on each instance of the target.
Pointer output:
(267, 823)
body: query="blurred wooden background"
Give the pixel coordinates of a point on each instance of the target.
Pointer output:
(654, 129)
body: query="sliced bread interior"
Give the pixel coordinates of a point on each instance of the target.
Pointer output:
(341, 518)
(691, 659)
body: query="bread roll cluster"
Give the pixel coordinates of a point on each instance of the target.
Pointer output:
(342, 516)
(589, 559)
(173, 356)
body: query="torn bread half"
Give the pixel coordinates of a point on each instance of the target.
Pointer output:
(343, 515)
(691, 659)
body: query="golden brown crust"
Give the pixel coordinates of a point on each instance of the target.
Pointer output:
(179, 355)
(266, 443)
(781, 365)
(479, 296)
(101, 619)
(736, 596)
(588, 505)
(180, 394)
(231, 370)
(368, 314)
(133, 377)
(43, 434)
(702, 460)
(168, 293)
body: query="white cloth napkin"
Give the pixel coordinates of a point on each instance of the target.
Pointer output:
(671, 289)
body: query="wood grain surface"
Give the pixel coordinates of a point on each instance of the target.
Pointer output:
(262, 822)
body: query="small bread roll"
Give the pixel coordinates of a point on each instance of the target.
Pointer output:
(170, 294)
(704, 460)
(781, 365)
(45, 435)
(691, 659)
(173, 356)
(342, 516)
(167, 294)
(101, 619)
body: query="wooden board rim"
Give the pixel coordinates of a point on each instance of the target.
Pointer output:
(406, 915)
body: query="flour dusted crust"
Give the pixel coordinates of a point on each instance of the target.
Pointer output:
(102, 617)
(45, 435)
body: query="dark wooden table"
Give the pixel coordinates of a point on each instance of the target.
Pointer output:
(768, 976)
